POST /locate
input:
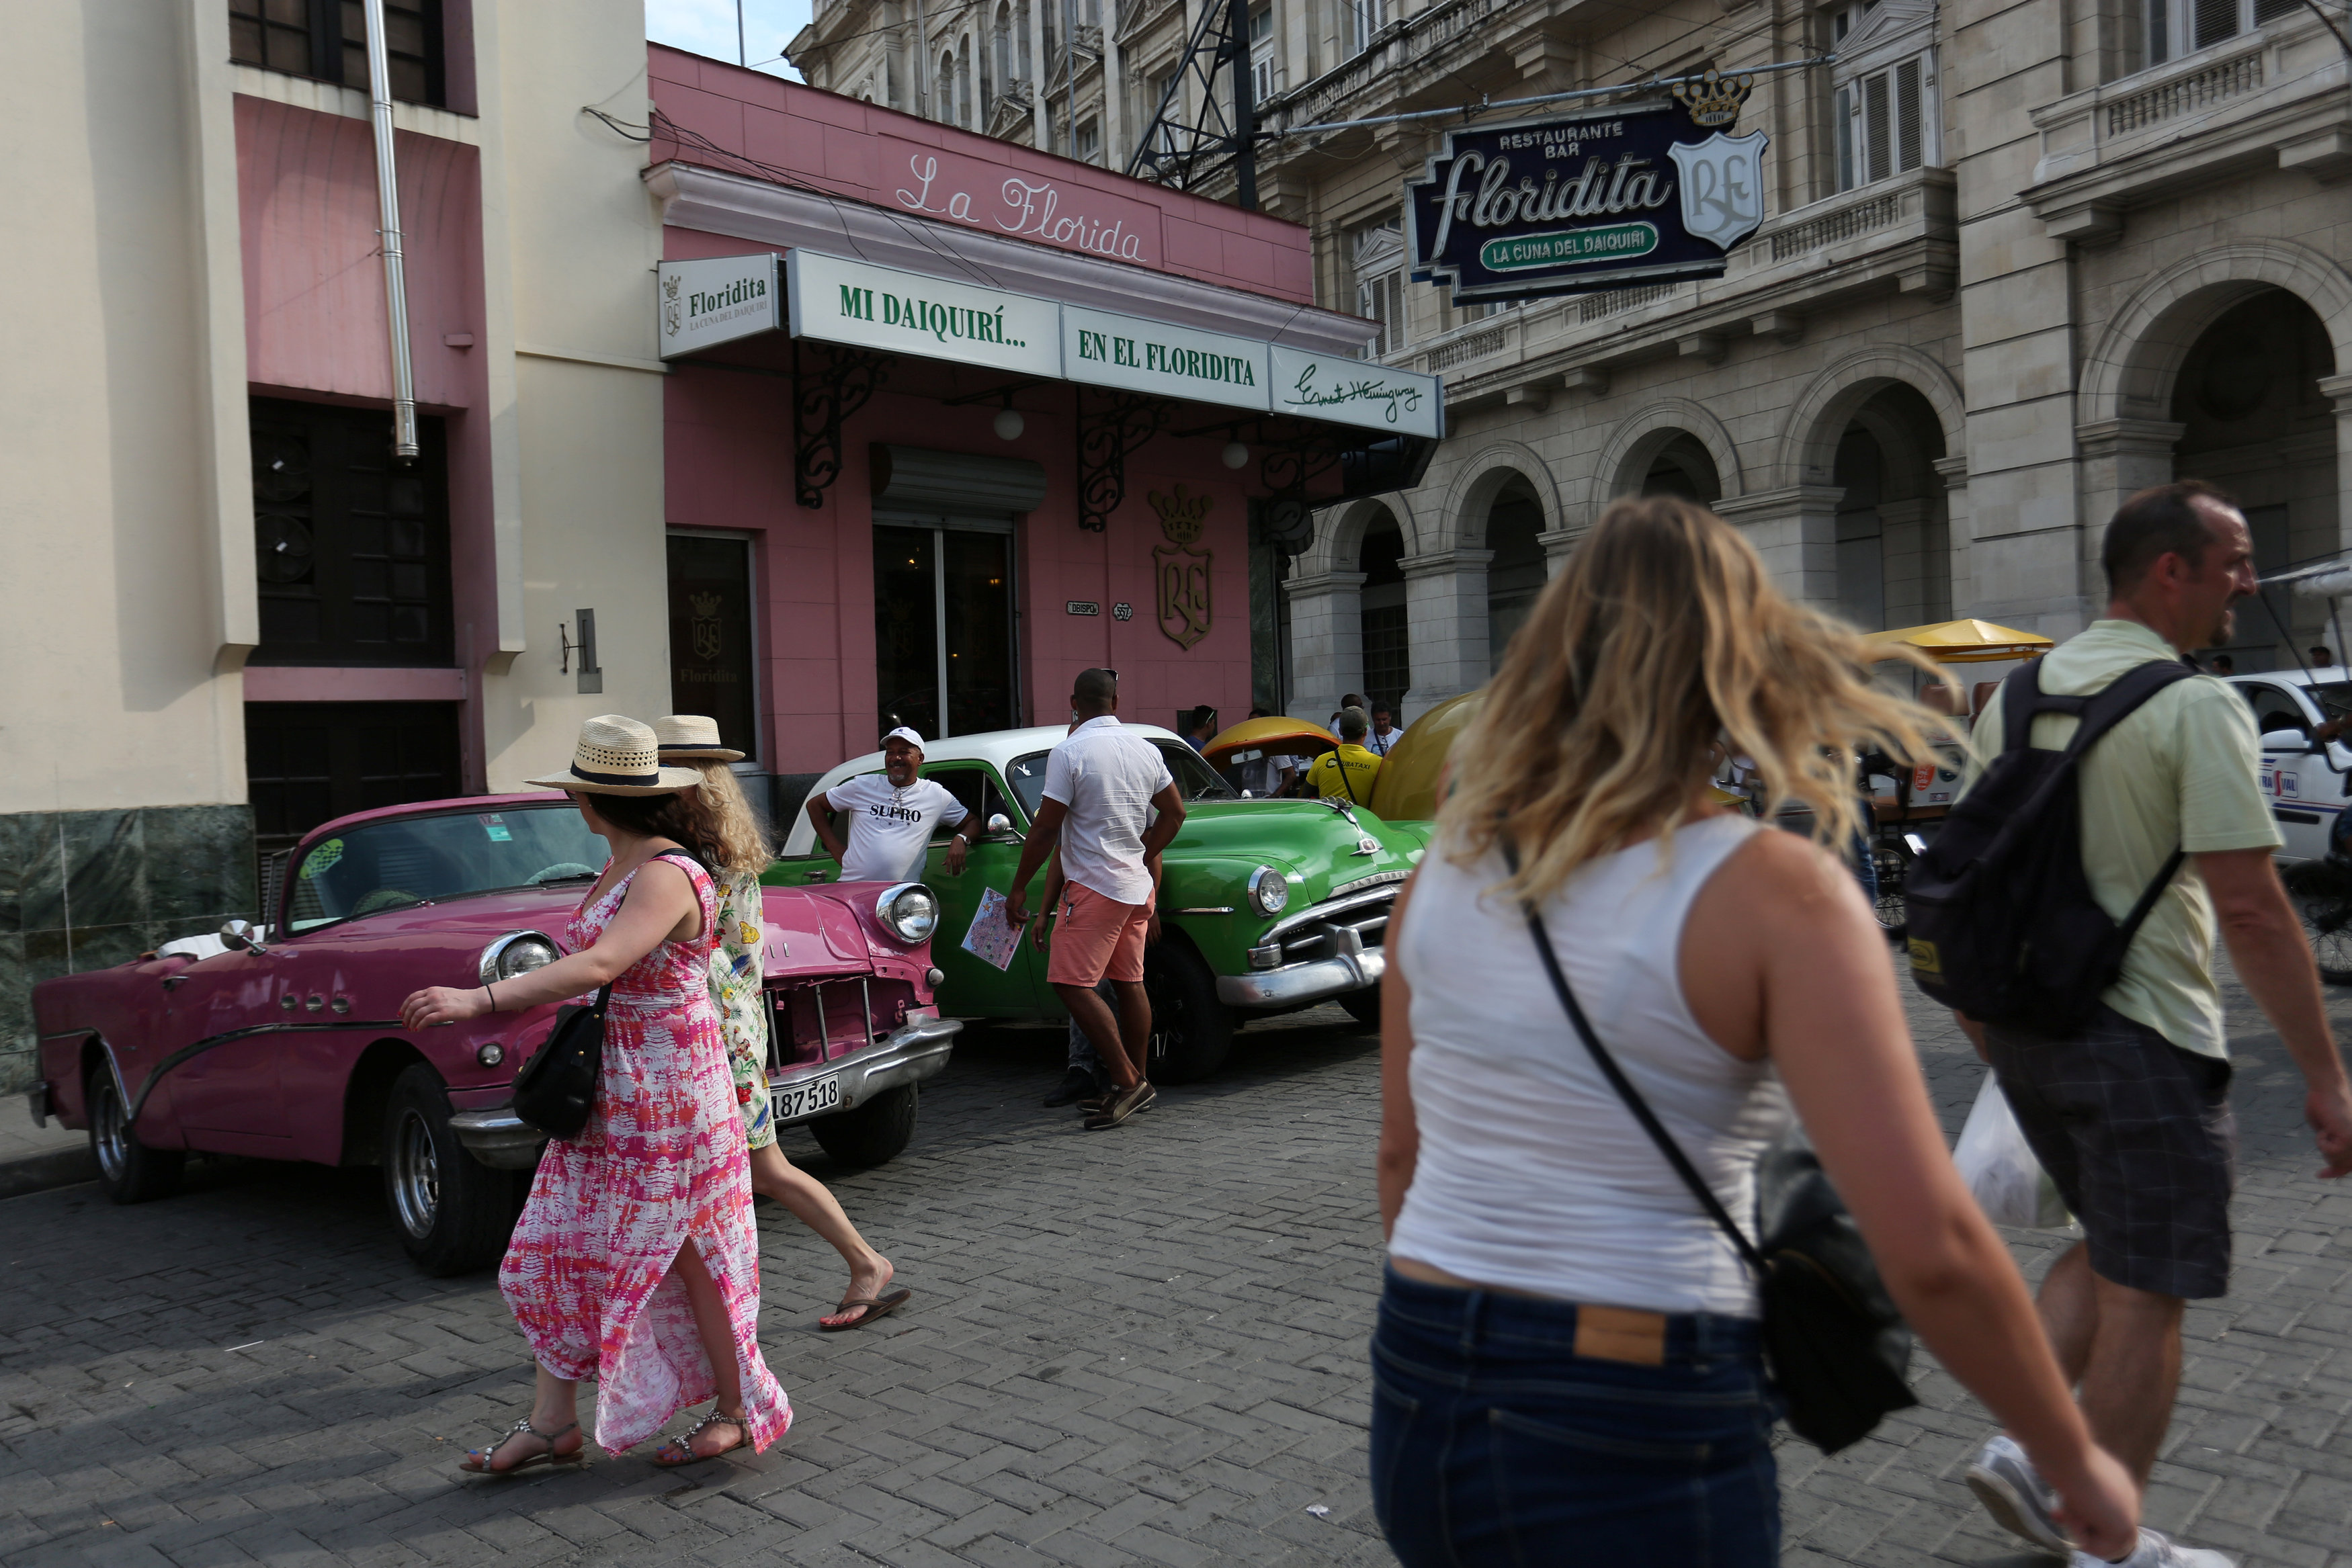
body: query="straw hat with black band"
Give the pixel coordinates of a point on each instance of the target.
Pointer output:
(691, 737)
(618, 756)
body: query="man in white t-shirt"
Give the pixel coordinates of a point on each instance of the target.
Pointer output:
(1384, 733)
(1102, 786)
(890, 816)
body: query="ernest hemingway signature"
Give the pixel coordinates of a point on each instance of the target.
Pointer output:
(1305, 394)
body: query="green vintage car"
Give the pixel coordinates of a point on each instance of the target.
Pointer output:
(1265, 906)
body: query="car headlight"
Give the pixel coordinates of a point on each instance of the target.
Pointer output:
(910, 912)
(516, 953)
(1270, 891)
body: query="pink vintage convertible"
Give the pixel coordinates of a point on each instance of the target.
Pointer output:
(283, 1041)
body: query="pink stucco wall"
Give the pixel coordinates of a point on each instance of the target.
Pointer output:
(902, 163)
(314, 315)
(728, 464)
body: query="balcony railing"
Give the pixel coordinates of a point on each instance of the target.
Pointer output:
(2272, 98)
(2185, 95)
(1862, 217)
(1403, 51)
(1617, 301)
(1461, 351)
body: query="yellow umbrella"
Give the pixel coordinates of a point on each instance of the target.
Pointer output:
(1276, 737)
(1966, 642)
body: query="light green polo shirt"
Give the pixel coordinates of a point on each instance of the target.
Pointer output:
(2177, 773)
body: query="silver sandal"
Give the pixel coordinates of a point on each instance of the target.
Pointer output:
(476, 1461)
(684, 1442)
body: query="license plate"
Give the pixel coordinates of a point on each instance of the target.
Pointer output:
(797, 1099)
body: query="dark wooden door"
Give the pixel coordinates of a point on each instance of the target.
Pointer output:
(306, 763)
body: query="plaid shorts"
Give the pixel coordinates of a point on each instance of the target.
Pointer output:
(2137, 1134)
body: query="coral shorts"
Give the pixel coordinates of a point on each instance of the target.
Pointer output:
(1097, 938)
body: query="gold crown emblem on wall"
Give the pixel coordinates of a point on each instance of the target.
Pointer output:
(1181, 517)
(1714, 99)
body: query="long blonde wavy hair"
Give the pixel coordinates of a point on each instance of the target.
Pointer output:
(1663, 648)
(732, 841)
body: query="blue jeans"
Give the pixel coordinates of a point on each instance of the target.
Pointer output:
(1493, 1442)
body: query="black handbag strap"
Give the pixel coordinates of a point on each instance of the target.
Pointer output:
(1625, 1086)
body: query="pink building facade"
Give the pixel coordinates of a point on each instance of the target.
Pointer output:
(893, 526)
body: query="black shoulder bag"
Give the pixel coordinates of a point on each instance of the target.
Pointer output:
(1838, 1351)
(556, 1089)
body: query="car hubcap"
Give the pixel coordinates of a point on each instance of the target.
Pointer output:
(113, 1138)
(415, 1175)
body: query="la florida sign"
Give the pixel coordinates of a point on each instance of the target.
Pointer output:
(1610, 198)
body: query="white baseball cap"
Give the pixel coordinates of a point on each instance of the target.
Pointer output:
(906, 734)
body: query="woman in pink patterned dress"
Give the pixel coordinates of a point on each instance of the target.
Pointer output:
(636, 1262)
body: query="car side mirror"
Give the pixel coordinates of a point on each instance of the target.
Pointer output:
(241, 936)
(1000, 826)
(2298, 740)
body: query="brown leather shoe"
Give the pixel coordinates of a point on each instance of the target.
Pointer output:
(1119, 1107)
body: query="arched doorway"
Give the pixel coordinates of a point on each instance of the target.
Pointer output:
(1515, 524)
(1894, 548)
(1684, 467)
(1388, 671)
(2254, 422)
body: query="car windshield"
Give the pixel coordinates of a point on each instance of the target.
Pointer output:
(1196, 779)
(411, 860)
(2333, 697)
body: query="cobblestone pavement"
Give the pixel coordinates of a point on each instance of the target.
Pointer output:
(1138, 1347)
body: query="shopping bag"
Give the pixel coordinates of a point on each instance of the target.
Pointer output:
(1998, 1165)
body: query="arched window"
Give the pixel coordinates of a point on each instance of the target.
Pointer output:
(964, 85)
(943, 87)
(1020, 42)
(1001, 40)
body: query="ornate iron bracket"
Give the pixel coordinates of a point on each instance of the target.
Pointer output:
(829, 385)
(1117, 429)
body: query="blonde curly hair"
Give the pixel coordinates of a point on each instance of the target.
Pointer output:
(1663, 647)
(729, 835)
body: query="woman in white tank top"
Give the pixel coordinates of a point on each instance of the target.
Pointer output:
(1566, 1368)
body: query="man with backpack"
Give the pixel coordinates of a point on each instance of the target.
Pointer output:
(2069, 913)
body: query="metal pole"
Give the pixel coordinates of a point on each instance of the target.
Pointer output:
(395, 265)
(1244, 109)
(1070, 61)
(742, 54)
(922, 63)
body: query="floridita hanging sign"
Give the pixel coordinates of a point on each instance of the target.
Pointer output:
(1610, 198)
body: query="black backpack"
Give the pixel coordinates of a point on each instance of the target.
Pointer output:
(2002, 924)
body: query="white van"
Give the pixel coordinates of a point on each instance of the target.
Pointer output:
(2305, 781)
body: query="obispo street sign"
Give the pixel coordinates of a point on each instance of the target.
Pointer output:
(1106, 349)
(1357, 391)
(870, 306)
(716, 300)
(1606, 199)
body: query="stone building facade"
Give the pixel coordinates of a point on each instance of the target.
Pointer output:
(2020, 258)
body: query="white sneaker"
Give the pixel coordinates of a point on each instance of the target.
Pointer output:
(2157, 1550)
(2018, 1498)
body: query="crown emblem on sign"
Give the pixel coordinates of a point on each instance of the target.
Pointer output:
(1181, 517)
(705, 604)
(1714, 99)
(670, 286)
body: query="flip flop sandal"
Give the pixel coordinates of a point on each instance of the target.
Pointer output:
(876, 1307)
(683, 1444)
(476, 1461)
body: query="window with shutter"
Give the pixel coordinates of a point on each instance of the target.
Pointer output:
(1379, 266)
(2177, 27)
(1909, 128)
(1874, 118)
(1883, 124)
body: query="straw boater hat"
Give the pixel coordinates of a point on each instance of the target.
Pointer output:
(690, 737)
(618, 756)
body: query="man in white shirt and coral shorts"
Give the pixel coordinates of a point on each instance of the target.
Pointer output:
(1102, 785)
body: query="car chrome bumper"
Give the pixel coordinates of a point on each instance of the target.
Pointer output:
(498, 1138)
(913, 1051)
(1295, 985)
(501, 1140)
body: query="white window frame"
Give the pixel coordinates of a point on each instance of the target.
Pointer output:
(1365, 20)
(1887, 57)
(1376, 259)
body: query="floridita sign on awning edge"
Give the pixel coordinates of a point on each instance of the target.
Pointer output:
(837, 299)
